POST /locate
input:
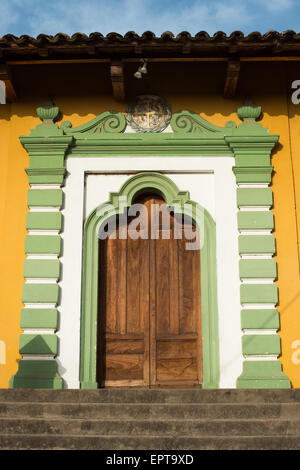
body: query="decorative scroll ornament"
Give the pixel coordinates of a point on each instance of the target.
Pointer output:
(148, 113)
(184, 122)
(108, 122)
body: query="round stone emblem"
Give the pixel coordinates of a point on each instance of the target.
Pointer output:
(148, 113)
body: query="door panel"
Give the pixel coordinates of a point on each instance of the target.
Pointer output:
(175, 333)
(123, 294)
(149, 307)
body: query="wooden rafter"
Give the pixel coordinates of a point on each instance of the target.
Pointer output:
(117, 79)
(9, 87)
(232, 77)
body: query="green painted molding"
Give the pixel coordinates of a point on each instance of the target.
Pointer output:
(45, 197)
(145, 144)
(248, 174)
(254, 197)
(38, 344)
(46, 158)
(252, 150)
(179, 200)
(39, 318)
(259, 293)
(255, 220)
(261, 345)
(263, 319)
(263, 374)
(44, 220)
(36, 374)
(36, 268)
(252, 158)
(43, 244)
(258, 268)
(256, 244)
(46, 175)
(40, 293)
(46, 148)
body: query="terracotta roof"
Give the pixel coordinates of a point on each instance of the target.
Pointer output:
(149, 45)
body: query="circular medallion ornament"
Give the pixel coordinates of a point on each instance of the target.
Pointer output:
(148, 113)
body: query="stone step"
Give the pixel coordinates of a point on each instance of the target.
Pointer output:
(167, 427)
(151, 410)
(150, 419)
(103, 442)
(151, 396)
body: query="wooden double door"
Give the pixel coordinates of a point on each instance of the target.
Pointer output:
(149, 324)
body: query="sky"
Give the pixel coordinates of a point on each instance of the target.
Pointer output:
(33, 17)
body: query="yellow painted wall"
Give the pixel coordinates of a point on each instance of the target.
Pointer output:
(84, 92)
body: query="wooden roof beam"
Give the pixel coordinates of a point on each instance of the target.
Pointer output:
(117, 79)
(5, 76)
(232, 78)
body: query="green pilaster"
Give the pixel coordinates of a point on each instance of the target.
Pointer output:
(252, 146)
(47, 146)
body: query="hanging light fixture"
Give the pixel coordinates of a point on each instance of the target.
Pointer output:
(142, 69)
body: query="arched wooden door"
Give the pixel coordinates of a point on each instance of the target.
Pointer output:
(149, 305)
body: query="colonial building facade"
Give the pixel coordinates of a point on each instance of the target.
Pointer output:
(149, 202)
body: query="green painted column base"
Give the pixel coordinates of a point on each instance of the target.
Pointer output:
(90, 385)
(263, 374)
(36, 374)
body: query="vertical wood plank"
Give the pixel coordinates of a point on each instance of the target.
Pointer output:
(152, 313)
(121, 292)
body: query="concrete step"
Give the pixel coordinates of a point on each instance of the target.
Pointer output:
(158, 427)
(151, 411)
(103, 442)
(151, 396)
(143, 419)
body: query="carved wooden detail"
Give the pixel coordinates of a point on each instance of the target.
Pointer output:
(232, 77)
(5, 76)
(117, 79)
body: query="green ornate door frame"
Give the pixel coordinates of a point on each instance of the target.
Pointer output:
(250, 144)
(181, 203)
